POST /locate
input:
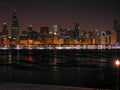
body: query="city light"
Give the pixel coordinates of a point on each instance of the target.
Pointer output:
(117, 62)
(29, 38)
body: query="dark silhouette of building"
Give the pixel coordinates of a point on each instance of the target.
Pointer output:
(30, 29)
(44, 31)
(4, 30)
(31, 34)
(115, 25)
(3, 35)
(15, 27)
(76, 31)
(116, 28)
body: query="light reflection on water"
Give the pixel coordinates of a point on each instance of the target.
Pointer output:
(62, 67)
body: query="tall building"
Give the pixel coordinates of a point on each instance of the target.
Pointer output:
(56, 30)
(113, 37)
(44, 31)
(31, 33)
(108, 37)
(116, 27)
(30, 28)
(76, 31)
(15, 27)
(4, 30)
(77, 26)
(4, 36)
(103, 38)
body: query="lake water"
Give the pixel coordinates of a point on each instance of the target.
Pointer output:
(84, 68)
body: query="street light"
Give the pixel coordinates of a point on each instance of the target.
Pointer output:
(117, 62)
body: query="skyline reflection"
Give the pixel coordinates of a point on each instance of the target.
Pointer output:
(59, 67)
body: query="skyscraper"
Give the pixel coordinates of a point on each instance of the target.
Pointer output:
(30, 29)
(15, 27)
(76, 31)
(44, 31)
(56, 30)
(115, 25)
(4, 30)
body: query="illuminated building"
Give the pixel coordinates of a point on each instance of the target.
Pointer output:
(49, 40)
(23, 42)
(63, 33)
(69, 33)
(29, 29)
(55, 39)
(4, 30)
(6, 41)
(56, 30)
(103, 38)
(82, 36)
(58, 35)
(31, 34)
(88, 38)
(15, 27)
(113, 37)
(108, 37)
(61, 41)
(44, 31)
(24, 33)
(4, 35)
(96, 36)
(72, 41)
(30, 42)
(37, 43)
(67, 39)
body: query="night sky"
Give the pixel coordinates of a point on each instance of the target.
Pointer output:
(90, 14)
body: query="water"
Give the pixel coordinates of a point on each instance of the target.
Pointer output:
(86, 68)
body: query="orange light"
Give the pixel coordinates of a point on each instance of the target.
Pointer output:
(117, 62)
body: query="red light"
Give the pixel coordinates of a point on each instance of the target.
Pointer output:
(30, 58)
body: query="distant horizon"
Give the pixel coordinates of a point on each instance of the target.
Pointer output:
(71, 26)
(64, 27)
(90, 14)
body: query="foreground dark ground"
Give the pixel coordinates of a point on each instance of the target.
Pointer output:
(21, 86)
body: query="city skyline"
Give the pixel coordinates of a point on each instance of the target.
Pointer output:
(90, 15)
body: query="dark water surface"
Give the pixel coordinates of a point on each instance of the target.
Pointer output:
(85, 68)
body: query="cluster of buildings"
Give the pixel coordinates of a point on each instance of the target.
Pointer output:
(57, 36)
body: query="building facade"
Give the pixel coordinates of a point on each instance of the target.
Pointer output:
(15, 27)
